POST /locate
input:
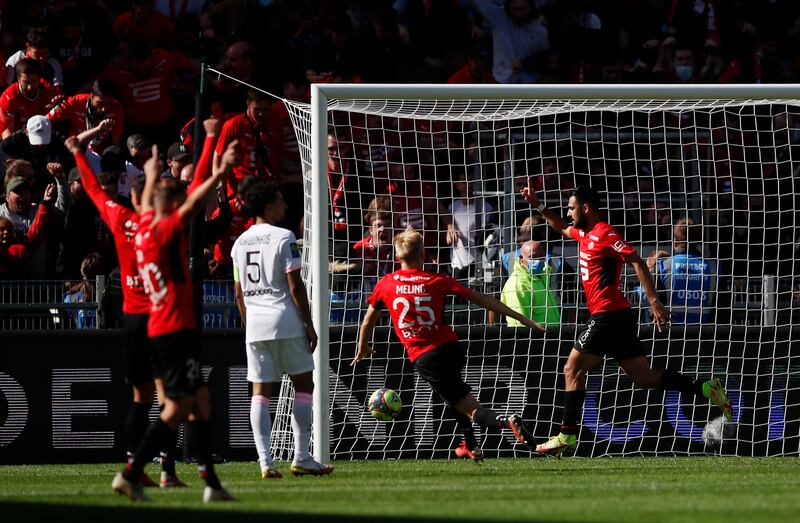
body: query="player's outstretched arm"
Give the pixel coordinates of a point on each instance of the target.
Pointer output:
(660, 313)
(151, 174)
(365, 334)
(553, 220)
(491, 304)
(195, 201)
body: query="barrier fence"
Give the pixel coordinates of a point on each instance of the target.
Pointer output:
(63, 398)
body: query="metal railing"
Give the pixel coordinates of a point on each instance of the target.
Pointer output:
(43, 304)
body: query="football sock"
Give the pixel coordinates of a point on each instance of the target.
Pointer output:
(135, 425)
(301, 425)
(168, 452)
(153, 438)
(573, 408)
(490, 419)
(261, 422)
(465, 426)
(673, 380)
(198, 434)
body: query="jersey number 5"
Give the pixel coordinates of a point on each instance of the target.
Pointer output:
(253, 268)
(403, 305)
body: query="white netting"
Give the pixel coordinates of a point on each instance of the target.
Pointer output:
(728, 165)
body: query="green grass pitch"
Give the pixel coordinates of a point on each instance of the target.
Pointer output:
(707, 489)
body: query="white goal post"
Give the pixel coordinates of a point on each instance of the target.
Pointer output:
(494, 103)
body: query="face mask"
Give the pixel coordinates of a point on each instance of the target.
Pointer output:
(535, 266)
(684, 72)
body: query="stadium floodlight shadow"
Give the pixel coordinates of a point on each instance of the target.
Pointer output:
(136, 513)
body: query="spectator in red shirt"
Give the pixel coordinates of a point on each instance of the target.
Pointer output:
(13, 254)
(477, 70)
(143, 79)
(28, 96)
(143, 24)
(86, 111)
(250, 130)
(36, 48)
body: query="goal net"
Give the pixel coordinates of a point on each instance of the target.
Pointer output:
(700, 173)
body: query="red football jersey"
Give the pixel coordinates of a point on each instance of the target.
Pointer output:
(253, 148)
(148, 96)
(602, 253)
(162, 255)
(375, 260)
(123, 224)
(16, 108)
(416, 304)
(75, 110)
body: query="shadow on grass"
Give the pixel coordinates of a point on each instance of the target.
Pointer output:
(30, 512)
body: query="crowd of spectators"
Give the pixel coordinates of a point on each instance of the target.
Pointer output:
(122, 75)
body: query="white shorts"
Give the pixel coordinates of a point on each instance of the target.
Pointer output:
(268, 360)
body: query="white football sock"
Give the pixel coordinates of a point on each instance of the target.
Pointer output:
(301, 425)
(261, 422)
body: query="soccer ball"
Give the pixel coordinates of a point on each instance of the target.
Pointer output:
(714, 432)
(385, 404)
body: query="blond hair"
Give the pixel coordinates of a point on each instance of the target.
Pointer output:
(409, 246)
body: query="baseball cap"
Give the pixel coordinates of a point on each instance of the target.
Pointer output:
(16, 183)
(178, 151)
(39, 130)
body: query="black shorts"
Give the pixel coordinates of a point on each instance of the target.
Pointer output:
(137, 350)
(441, 368)
(177, 361)
(611, 333)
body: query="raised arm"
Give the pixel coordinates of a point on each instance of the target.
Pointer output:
(491, 304)
(553, 220)
(195, 200)
(90, 134)
(660, 313)
(365, 334)
(206, 164)
(151, 173)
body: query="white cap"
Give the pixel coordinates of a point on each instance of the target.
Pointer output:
(39, 130)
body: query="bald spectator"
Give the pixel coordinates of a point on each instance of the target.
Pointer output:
(529, 289)
(239, 62)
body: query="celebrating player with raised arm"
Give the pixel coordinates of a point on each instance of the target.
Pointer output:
(136, 351)
(162, 258)
(612, 326)
(415, 299)
(280, 336)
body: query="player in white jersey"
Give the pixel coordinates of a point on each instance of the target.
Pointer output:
(280, 336)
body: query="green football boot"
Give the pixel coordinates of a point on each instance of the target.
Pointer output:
(558, 445)
(716, 394)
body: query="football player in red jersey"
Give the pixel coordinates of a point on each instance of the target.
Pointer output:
(123, 224)
(162, 258)
(415, 299)
(612, 326)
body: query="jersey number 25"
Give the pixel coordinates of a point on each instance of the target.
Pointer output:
(403, 306)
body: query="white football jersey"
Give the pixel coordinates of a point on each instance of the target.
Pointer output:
(262, 257)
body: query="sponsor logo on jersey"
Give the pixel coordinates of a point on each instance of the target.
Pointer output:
(258, 292)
